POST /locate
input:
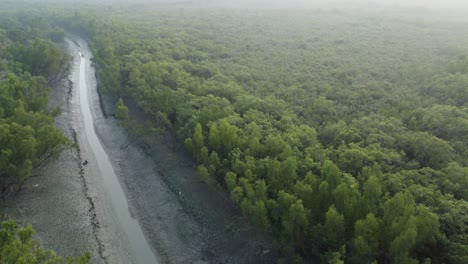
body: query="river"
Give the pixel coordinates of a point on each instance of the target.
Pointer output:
(142, 253)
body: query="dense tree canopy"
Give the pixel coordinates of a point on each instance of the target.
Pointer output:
(28, 136)
(344, 133)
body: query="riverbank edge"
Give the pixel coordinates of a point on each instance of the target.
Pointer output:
(195, 204)
(56, 202)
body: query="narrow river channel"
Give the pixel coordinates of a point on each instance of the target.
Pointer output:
(141, 251)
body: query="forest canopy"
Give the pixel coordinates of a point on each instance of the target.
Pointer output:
(344, 134)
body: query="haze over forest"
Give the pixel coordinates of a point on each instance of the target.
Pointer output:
(432, 4)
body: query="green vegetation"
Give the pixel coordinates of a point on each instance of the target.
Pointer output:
(28, 135)
(29, 62)
(19, 246)
(344, 134)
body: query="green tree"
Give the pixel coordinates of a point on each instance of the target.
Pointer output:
(228, 136)
(295, 224)
(18, 245)
(198, 139)
(334, 229)
(427, 150)
(42, 57)
(256, 212)
(205, 175)
(348, 202)
(214, 138)
(122, 111)
(331, 174)
(372, 192)
(237, 194)
(230, 180)
(16, 157)
(365, 244)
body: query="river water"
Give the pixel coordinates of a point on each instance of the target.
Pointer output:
(141, 251)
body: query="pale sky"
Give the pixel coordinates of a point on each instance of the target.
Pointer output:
(459, 5)
(424, 3)
(429, 3)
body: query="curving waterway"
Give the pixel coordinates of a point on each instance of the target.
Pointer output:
(142, 253)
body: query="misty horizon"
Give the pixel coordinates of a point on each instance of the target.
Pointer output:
(459, 5)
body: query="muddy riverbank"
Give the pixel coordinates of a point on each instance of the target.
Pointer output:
(182, 219)
(56, 202)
